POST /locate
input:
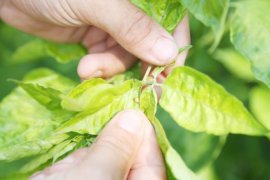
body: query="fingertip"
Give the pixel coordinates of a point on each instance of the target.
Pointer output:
(88, 68)
(165, 50)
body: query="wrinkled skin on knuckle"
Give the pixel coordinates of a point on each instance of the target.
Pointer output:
(135, 31)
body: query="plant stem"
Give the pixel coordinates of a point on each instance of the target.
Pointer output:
(147, 73)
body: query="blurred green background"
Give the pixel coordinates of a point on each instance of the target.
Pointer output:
(235, 157)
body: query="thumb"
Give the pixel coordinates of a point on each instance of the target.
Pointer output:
(117, 146)
(112, 155)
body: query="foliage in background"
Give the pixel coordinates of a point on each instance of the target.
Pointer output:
(226, 60)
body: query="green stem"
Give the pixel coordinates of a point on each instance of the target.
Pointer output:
(147, 73)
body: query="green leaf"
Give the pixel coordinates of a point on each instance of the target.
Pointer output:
(176, 168)
(250, 34)
(10, 40)
(64, 53)
(22, 118)
(38, 48)
(211, 13)
(36, 158)
(168, 13)
(30, 148)
(196, 158)
(133, 73)
(27, 123)
(48, 97)
(92, 90)
(260, 103)
(56, 153)
(94, 118)
(199, 104)
(48, 78)
(235, 63)
(30, 51)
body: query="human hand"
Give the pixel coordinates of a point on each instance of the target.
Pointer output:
(114, 32)
(125, 149)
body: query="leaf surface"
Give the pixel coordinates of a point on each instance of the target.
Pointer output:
(211, 13)
(199, 104)
(176, 167)
(168, 13)
(260, 103)
(94, 118)
(250, 34)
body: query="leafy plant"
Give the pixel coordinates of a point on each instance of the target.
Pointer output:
(58, 115)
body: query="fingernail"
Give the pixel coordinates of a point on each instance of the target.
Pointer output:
(96, 74)
(165, 50)
(130, 121)
(38, 176)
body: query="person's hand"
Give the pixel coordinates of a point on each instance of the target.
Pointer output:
(125, 149)
(115, 32)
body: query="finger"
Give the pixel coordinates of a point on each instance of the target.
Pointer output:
(62, 165)
(105, 64)
(129, 26)
(93, 36)
(102, 45)
(116, 147)
(138, 33)
(182, 37)
(148, 163)
(98, 47)
(112, 155)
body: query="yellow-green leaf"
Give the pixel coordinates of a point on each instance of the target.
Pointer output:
(199, 104)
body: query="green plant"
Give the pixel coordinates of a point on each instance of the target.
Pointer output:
(67, 120)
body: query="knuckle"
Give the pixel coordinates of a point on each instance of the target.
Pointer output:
(137, 29)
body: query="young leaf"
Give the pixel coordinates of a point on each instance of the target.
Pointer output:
(93, 119)
(250, 35)
(48, 97)
(176, 168)
(199, 104)
(168, 13)
(211, 13)
(91, 89)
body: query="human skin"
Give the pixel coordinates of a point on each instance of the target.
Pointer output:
(125, 149)
(116, 34)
